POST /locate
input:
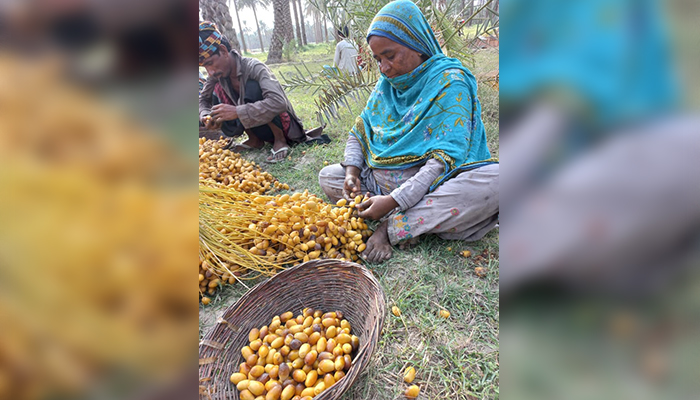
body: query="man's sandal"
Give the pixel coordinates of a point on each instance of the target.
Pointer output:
(273, 159)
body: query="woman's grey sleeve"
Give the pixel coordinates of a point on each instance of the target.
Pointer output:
(353, 153)
(410, 193)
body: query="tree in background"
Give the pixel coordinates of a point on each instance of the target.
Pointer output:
(322, 7)
(301, 22)
(240, 28)
(300, 40)
(288, 24)
(265, 32)
(317, 16)
(252, 5)
(281, 32)
(217, 11)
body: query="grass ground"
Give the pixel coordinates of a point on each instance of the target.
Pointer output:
(455, 358)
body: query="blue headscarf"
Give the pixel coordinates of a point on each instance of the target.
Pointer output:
(431, 112)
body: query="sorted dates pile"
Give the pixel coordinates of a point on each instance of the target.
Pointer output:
(219, 167)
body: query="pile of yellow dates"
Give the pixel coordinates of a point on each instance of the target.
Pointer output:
(296, 357)
(306, 228)
(219, 167)
(282, 230)
(303, 227)
(210, 280)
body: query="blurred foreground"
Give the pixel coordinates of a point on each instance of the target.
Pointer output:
(600, 205)
(98, 211)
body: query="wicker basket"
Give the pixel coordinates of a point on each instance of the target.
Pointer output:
(327, 285)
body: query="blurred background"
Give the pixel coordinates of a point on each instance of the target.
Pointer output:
(98, 207)
(600, 199)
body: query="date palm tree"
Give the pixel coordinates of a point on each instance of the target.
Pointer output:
(217, 11)
(301, 22)
(300, 41)
(282, 32)
(288, 25)
(317, 16)
(240, 28)
(253, 4)
(265, 32)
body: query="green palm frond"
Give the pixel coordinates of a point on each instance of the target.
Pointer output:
(335, 89)
(301, 80)
(339, 88)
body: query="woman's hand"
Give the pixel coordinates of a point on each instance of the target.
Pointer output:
(351, 186)
(224, 112)
(376, 207)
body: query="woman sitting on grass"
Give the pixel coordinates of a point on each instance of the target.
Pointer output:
(419, 146)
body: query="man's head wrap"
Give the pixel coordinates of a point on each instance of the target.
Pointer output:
(209, 40)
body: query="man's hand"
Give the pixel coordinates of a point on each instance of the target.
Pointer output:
(376, 207)
(224, 112)
(210, 124)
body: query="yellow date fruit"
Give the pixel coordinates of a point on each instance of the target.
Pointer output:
(311, 378)
(326, 366)
(256, 388)
(274, 393)
(409, 375)
(237, 377)
(247, 395)
(288, 392)
(412, 392)
(299, 375)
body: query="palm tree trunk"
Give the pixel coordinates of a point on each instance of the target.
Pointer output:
(300, 41)
(255, 15)
(301, 20)
(278, 32)
(240, 28)
(325, 29)
(217, 11)
(317, 29)
(287, 25)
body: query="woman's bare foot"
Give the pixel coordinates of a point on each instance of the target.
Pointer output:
(378, 246)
